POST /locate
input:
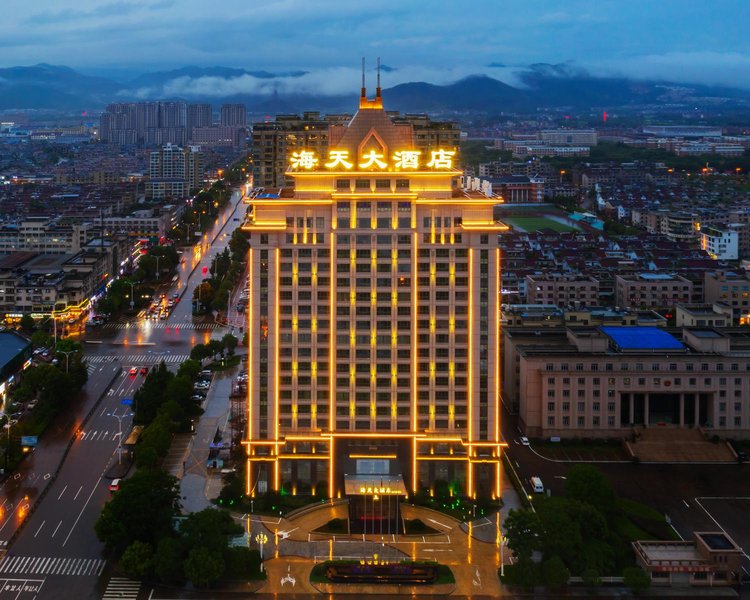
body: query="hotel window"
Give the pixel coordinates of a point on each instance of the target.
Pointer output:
(550, 407)
(641, 381)
(581, 421)
(343, 184)
(692, 381)
(551, 381)
(566, 406)
(611, 421)
(581, 406)
(579, 366)
(402, 184)
(550, 421)
(566, 421)
(581, 393)
(383, 184)
(707, 381)
(689, 367)
(362, 184)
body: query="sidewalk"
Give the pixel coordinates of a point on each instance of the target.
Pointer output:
(198, 484)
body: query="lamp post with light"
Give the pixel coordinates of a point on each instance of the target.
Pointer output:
(261, 539)
(119, 433)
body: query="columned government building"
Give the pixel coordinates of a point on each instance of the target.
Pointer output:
(373, 321)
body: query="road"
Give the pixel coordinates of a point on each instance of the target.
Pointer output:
(58, 546)
(56, 554)
(143, 341)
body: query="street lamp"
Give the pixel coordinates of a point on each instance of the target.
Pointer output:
(157, 267)
(67, 354)
(503, 541)
(132, 295)
(261, 538)
(119, 431)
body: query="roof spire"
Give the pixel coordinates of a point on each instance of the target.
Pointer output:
(377, 89)
(364, 89)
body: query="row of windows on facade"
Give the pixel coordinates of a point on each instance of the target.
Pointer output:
(580, 421)
(642, 381)
(364, 253)
(380, 239)
(365, 383)
(365, 298)
(656, 381)
(596, 421)
(359, 425)
(718, 366)
(596, 407)
(365, 218)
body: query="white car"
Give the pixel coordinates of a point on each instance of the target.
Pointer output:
(524, 441)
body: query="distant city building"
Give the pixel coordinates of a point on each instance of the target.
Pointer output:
(552, 315)
(219, 136)
(174, 171)
(601, 382)
(731, 288)
(652, 290)
(685, 131)
(152, 123)
(40, 284)
(233, 115)
(523, 150)
(198, 115)
(568, 137)
(562, 290)
(518, 189)
(721, 244)
(717, 314)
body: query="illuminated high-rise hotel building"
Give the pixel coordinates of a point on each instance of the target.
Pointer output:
(373, 320)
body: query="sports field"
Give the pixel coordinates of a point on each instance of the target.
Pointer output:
(529, 224)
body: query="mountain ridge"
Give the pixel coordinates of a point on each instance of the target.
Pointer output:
(46, 86)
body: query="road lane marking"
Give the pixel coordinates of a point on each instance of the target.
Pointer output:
(685, 503)
(78, 492)
(81, 513)
(63, 491)
(40, 528)
(56, 528)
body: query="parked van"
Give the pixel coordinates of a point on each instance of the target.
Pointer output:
(114, 486)
(537, 484)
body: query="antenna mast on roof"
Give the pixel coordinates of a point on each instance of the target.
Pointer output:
(364, 90)
(377, 89)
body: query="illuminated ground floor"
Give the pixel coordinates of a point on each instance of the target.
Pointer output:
(321, 464)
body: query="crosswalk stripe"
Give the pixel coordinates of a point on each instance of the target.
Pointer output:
(120, 587)
(138, 358)
(43, 565)
(164, 325)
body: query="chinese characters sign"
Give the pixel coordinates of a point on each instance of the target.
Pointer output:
(402, 160)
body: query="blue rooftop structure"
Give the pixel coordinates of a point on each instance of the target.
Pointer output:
(642, 338)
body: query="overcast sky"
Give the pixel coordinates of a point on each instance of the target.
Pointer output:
(429, 40)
